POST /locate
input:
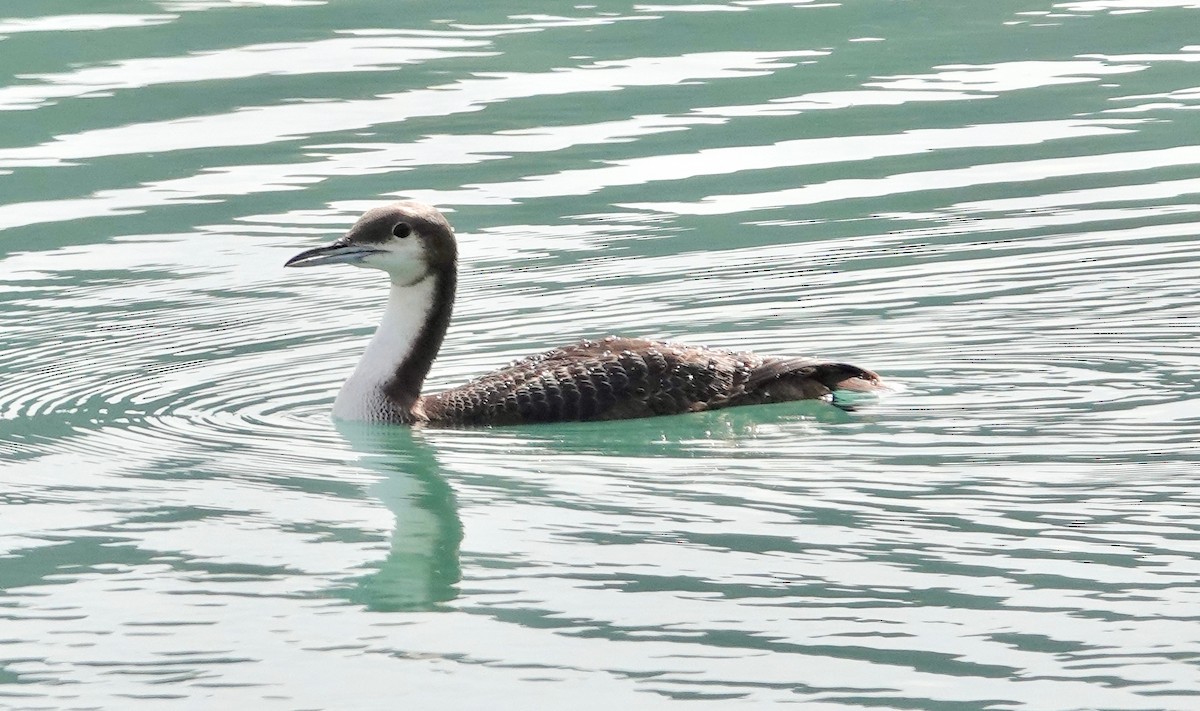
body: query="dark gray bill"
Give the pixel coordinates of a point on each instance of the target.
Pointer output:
(336, 253)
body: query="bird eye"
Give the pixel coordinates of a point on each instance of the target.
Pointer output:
(402, 230)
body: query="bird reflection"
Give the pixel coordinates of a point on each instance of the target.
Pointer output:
(422, 568)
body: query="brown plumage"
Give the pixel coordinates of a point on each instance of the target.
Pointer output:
(624, 378)
(611, 379)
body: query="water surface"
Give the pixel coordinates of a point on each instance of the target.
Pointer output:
(993, 204)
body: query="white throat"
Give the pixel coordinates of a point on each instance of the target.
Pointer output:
(362, 397)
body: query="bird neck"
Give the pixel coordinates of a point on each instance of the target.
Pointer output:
(390, 374)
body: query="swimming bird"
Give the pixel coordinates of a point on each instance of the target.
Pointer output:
(608, 379)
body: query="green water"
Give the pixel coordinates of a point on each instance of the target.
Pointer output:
(992, 204)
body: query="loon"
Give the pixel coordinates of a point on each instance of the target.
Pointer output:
(610, 379)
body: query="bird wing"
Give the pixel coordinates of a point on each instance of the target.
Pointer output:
(616, 378)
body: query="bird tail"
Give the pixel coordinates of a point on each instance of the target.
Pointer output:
(782, 379)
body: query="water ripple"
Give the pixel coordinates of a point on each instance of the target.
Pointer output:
(1009, 239)
(76, 23)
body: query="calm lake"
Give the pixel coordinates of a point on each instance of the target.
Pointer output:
(993, 204)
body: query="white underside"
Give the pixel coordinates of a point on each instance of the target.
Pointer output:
(361, 397)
